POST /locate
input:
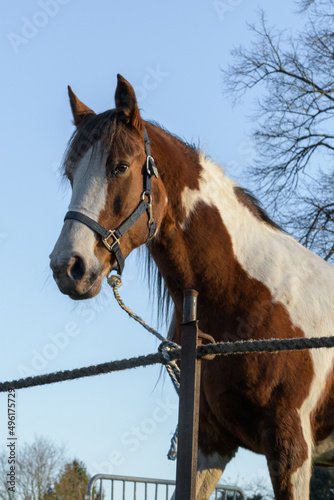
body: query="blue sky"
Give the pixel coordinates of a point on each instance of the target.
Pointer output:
(172, 53)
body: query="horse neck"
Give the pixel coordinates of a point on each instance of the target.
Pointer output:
(204, 222)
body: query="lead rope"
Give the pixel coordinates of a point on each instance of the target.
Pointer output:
(172, 368)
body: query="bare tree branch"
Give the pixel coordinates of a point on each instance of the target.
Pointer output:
(37, 465)
(294, 119)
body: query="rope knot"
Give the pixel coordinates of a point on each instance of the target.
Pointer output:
(115, 281)
(165, 347)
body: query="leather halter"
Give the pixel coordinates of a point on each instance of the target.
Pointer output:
(145, 205)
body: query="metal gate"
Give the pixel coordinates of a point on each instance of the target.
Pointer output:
(139, 488)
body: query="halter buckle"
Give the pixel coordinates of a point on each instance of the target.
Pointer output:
(105, 242)
(151, 166)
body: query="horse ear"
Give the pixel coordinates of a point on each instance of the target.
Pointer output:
(79, 109)
(126, 103)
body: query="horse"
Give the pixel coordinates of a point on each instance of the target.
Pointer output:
(134, 183)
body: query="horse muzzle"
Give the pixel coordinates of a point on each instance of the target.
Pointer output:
(75, 277)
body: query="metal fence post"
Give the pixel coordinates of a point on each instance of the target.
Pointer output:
(186, 468)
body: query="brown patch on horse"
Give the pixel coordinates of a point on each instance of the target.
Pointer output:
(178, 164)
(240, 395)
(323, 416)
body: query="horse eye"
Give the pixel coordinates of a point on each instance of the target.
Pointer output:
(122, 168)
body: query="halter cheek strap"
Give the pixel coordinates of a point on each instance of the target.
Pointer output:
(145, 205)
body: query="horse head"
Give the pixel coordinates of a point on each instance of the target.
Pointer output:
(116, 205)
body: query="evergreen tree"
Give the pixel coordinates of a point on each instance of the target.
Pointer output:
(72, 483)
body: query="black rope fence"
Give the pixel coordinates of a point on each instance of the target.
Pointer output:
(87, 371)
(221, 348)
(270, 345)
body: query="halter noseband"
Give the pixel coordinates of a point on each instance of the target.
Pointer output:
(145, 205)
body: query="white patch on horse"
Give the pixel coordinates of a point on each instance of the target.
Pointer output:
(89, 196)
(300, 481)
(90, 184)
(296, 278)
(209, 470)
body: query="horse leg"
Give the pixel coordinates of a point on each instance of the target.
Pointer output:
(289, 460)
(209, 470)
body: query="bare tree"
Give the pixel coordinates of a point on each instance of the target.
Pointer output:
(38, 465)
(5, 493)
(294, 135)
(258, 489)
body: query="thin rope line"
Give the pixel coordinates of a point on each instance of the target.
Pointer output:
(165, 349)
(115, 282)
(166, 345)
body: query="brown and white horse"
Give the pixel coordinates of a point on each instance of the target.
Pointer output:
(254, 281)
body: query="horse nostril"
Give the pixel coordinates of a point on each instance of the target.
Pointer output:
(76, 268)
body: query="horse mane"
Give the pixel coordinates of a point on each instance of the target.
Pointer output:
(158, 289)
(191, 150)
(253, 204)
(242, 194)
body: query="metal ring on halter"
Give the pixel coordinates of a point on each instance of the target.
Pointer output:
(148, 194)
(149, 208)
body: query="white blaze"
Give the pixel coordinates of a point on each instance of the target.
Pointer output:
(88, 197)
